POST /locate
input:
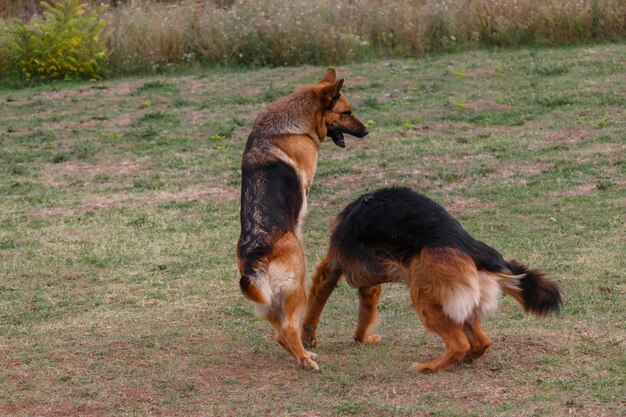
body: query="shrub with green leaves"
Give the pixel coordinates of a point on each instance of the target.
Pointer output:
(68, 42)
(8, 63)
(4, 47)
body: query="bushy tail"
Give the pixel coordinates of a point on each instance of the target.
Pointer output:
(536, 293)
(256, 287)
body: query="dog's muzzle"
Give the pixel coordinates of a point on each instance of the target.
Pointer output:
(336, 134)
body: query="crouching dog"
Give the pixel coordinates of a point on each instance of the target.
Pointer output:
(398, 235)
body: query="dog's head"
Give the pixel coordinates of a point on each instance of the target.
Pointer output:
(337, 111)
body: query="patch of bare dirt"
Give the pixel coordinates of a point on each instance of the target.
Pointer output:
(83, 93)
(356, 80)
(485, 104)
(501, 173)
(481, 72)
(195, 116)
(56, 174)
(71, 125)
(584, 189)
(461, 204)
(443, 126)
(211, 194)
(568, 136)
(81, 208)
(70, 94)
(193, 85)
(416, 114)
(200, 193)
(63, 408)
(610, 150)
(525, 170)
(497, 130)
(10, 255)
(536, 168)
(120, 89)
(572, 407)
(123, 119)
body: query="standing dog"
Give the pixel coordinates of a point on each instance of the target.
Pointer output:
(278, 165)
(398, 235)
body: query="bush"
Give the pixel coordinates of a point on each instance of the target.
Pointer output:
(66, 43)
(5, 44)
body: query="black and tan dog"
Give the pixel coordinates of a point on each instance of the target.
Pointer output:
(398, 235)
(278, 165)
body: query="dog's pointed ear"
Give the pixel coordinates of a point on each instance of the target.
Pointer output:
(330, 76)
(330, 93)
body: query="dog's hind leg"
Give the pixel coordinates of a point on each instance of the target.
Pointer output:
(436, 320)
(286, 273)
(368, 300)
(289, 335)
(324, 280)
(479, 342)
(276, 318)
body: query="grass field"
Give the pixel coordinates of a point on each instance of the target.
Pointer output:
(119, 217)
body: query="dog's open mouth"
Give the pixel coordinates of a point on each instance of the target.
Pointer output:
(337, 137)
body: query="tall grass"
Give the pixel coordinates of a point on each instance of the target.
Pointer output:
(286, 32)
(147, 35)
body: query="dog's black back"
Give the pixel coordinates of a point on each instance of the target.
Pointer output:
(398, 223)
(270, 204)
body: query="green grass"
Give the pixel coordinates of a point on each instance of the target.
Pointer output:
(119, 219)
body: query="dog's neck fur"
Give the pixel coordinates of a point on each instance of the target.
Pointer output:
(295, 114)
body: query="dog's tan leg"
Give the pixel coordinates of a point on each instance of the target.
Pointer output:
(290, 335)
(275, 318)
(286, 273)
(325, 280)
(452, 334)
(478, 340)
(368, 300)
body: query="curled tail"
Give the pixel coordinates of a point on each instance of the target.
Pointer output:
(537, 294)
(255, 286)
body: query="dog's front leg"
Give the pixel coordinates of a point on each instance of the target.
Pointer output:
(325, 280)
(368, 300)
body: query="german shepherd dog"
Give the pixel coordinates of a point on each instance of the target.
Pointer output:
(398, 235)
(278, 165)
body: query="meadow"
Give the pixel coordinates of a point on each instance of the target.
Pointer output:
(119, 218)
(154, 36)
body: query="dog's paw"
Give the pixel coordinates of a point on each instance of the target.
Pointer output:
(312, 355)
(424, 368)
(309, 364)
(476, 353)
(371, 338)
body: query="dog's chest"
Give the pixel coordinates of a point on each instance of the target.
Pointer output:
(306, 176)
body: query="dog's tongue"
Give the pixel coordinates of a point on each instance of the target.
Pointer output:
(337, 137)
